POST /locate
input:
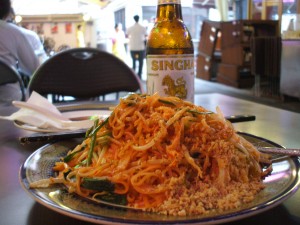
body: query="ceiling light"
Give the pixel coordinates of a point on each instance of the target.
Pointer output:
(18, 18)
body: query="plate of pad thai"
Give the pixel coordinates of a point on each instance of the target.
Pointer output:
(159, 160)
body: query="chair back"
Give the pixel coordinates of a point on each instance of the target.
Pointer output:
(84, 73)
(266, 55)
(8, 74)
(266, 64)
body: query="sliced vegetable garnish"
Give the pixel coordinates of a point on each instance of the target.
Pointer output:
(199, 113)
(88, 132)
(106, 189)
(97, 127)
(69, 157)
(98, 184)
(166, 102)
(93, 141)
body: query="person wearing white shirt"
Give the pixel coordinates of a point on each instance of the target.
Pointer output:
(15, 48)
(36, 43)
(137, 35)
(32, 37)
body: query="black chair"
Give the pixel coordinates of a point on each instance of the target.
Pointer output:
(84, 73)
(9, 74)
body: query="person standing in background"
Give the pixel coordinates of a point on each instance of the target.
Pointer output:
(137, 36)
(15, 48)
(118, 41)
(80, 37)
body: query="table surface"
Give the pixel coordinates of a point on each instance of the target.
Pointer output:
(18, 208)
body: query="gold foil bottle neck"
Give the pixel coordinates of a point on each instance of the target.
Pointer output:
(163, 2)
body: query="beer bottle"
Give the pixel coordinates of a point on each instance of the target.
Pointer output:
(170, 54)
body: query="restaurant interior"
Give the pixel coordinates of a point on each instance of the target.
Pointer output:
(230, 157)
(228, 37)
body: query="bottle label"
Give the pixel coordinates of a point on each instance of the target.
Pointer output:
(171, 75)
(163, 2)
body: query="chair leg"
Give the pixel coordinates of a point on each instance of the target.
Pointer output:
(257, 86)
(25, 80)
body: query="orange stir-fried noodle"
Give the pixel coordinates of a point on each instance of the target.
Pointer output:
(161, 153)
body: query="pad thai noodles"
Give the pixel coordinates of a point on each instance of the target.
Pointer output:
(163, 155)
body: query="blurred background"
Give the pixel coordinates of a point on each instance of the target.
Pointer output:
(56, 20)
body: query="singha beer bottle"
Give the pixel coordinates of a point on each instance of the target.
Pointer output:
(170, 54)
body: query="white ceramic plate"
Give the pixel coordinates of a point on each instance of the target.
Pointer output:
(280, 185)
(68, 114)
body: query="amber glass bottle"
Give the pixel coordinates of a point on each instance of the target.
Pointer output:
(170, 54)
